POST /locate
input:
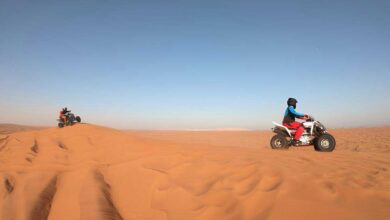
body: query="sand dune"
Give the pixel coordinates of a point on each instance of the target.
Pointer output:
(12, 128)
(91, 172)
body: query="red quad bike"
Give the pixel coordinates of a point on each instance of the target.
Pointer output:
(71, 119)
(315, 134)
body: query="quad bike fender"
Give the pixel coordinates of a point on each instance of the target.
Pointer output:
(280, 129)
(281, 132)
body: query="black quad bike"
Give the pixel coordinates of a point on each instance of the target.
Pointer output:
(71, 119)
(315, 134)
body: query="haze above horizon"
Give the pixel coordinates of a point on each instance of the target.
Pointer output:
(194, 64)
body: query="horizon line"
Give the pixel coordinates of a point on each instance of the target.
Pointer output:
(190, 129)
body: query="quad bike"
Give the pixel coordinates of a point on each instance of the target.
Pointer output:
(315, 134)
(70, 120)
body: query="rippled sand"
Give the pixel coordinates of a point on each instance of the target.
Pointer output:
(90, 172)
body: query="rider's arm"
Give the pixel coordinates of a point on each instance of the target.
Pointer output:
(292, 110)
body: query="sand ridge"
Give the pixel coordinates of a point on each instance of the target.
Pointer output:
(12, 128)
(92, 172)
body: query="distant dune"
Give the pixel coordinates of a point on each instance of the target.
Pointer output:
(12, 128)
(91, 172)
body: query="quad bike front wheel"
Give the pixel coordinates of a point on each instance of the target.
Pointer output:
(325, 143)
(60, 124)
(279, 142)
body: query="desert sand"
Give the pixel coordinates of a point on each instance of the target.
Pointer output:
(12, 128)
(91, 172)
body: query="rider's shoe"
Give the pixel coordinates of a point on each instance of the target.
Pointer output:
(295, 142)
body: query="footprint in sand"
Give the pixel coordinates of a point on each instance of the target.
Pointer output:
(329, 187)
(9, 183)
(62, 145)
(34, 148)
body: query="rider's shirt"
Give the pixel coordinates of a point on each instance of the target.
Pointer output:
(290, 115)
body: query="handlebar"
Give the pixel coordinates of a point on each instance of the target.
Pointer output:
(309, 118)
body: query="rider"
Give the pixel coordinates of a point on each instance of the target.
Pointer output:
(63, 115)
(289, 119)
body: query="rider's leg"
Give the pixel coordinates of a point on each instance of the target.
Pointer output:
(298, 127)
(299, 132)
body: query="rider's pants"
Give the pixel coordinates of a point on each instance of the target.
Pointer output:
(295, 125)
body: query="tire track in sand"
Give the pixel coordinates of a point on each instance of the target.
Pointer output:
(110, 212)
(3, 141)
(41, 209)
(96, 200)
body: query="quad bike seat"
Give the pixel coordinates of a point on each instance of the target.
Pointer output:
(292, 131)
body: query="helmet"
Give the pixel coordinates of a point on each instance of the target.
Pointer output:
(292, 102)
(64, 110)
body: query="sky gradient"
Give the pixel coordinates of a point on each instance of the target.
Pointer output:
(191, 64)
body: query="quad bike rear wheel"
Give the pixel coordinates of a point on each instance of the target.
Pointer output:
(78, 119)
(279, 142)
(325, 143)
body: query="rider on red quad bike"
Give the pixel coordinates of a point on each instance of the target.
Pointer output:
(289, 119)
(309, 132)
(63, 115)
(67, 118)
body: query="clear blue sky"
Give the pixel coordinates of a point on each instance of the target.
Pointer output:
(188, 64)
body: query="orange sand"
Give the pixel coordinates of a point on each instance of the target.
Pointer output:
(12, 128)
(90, 172)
